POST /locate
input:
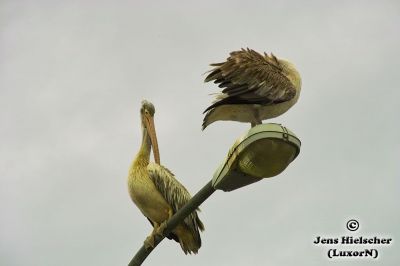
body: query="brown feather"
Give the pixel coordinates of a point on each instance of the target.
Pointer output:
(249, 77)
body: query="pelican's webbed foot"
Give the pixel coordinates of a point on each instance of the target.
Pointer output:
(149, 242)
(160, 230)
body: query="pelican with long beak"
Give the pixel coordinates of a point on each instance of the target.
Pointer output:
(156, 192)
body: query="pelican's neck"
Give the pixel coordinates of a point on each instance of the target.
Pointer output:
(143, 156)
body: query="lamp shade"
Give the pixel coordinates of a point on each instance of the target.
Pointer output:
(264, 151)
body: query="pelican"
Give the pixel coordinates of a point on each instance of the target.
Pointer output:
(156, 192)
(255, 87)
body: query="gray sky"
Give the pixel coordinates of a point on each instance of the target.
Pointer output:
(73, 74)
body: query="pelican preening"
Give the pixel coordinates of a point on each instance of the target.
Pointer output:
(156, 192)
(255, 87)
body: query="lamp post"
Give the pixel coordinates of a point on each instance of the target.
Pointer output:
(264, 151)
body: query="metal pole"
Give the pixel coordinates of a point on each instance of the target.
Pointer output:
(178, 217)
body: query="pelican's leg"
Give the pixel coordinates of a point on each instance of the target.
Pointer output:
(257, 120)
(149, 242)
(253, 124)
(163, 225)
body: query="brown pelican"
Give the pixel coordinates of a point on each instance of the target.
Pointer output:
(156, 192)
(255, 87)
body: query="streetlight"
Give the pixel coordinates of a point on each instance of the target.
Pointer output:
(264, 151)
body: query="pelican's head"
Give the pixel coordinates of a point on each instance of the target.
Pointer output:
(291, 73)
(147, 106)
(147, 116)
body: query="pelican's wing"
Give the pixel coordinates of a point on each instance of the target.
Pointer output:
(175, 194)
(248, 77)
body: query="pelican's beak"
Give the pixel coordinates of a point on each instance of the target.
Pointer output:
(149, 121)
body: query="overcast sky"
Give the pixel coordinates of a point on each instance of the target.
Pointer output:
(72, 77)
